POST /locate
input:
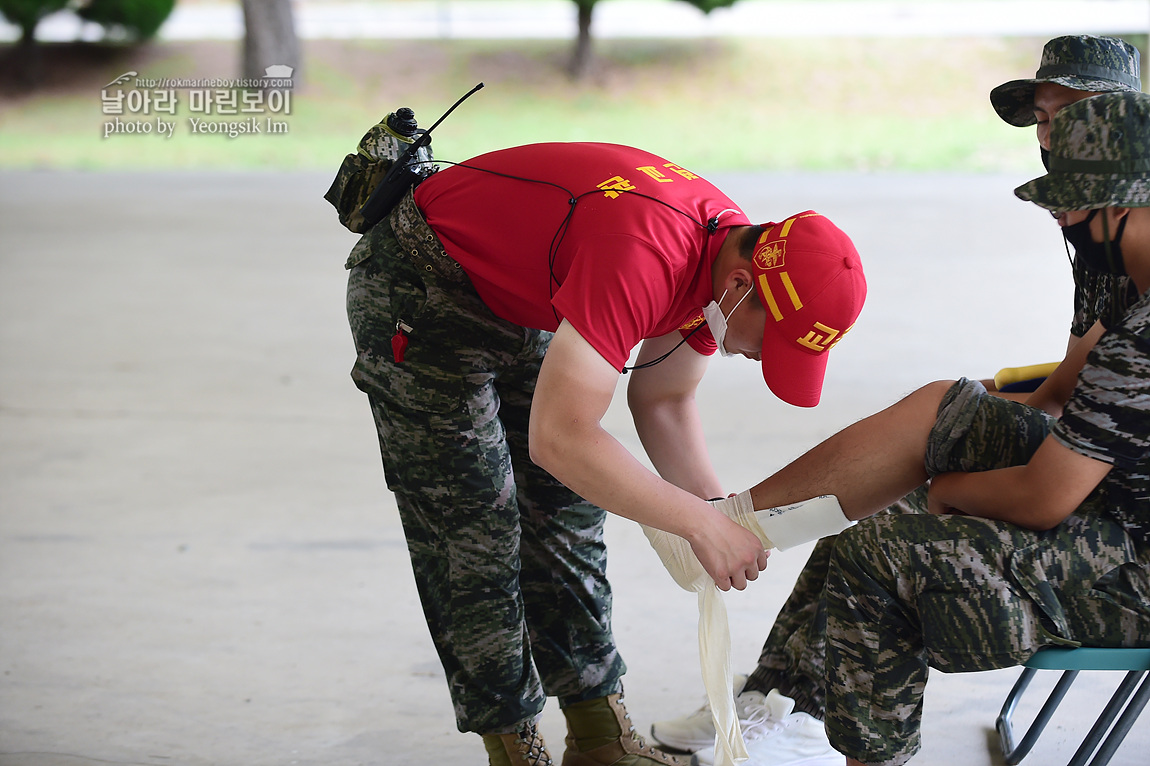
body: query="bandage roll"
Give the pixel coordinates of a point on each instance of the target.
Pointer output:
(714, 641)
(780, 528)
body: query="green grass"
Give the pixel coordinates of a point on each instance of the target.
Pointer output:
(751, 104)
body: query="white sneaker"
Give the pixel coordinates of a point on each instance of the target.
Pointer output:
(697, 730)
(777, 736)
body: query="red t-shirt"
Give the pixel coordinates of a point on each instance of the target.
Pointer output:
(621, 268)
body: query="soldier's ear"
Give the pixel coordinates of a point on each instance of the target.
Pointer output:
(739, 279)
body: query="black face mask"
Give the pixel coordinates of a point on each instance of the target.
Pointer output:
(1045, 153)
(1097, 256)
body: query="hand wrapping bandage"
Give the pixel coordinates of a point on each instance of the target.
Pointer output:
(780, 528)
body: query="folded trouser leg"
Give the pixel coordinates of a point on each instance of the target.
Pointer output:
(894, 580)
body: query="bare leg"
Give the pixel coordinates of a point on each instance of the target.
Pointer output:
(868, 465)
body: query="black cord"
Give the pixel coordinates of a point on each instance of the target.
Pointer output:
(654, 362)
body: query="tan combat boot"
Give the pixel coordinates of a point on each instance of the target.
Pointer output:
(599, 733)
(522, 748)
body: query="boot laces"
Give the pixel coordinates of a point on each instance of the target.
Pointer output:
(644, 749)
(532, 747)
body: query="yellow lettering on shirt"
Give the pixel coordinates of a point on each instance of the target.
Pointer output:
(612, 186)
(681, 171)
(693, 322)
(654, 172)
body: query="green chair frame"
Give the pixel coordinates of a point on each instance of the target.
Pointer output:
(1117, 718)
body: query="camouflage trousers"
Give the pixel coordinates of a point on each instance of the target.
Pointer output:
(510, 565)
(794, 656)
(905, 592)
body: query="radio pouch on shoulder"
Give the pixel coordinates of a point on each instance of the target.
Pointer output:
(362, 172)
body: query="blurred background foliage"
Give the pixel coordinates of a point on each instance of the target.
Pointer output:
(731, 103)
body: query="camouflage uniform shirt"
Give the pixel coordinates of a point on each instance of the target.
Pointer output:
(1108, 418)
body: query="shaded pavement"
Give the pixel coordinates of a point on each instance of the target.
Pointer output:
(199, 561)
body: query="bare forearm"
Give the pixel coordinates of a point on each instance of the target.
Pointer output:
(592, 463)
(673, 439)
(997, 494)
(1037, 495)
(1055, 391)
(604, 473)
(662, 404)
(567, 439)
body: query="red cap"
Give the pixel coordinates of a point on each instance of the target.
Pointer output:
(809, 277)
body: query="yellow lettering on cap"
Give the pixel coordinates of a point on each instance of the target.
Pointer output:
(821, 338)
(842, 335)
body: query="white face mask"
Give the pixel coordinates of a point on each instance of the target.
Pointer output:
(718, 323)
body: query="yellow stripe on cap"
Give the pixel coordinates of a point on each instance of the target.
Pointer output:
(765, 286)
(790, 221)
(798, 304)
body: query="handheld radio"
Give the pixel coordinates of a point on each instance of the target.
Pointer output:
(401, 176)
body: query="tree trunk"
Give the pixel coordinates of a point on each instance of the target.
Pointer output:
(581, 58)
(27, 58)
(270, 38)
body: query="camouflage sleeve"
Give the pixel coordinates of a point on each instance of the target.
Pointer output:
(1108, 415)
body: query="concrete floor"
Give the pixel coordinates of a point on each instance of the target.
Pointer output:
(199, 561)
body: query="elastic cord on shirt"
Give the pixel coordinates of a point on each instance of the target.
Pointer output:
(711, 226)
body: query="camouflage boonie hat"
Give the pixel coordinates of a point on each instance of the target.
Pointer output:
(1099, 156)
(1081, 62)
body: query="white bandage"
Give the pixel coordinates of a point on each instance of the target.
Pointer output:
(800, 523)
(780, 528)
(714, 641)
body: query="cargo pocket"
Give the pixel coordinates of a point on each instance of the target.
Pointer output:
(1121, 608)
(384, 292)
(1028, 567)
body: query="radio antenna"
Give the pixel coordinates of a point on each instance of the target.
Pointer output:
(400, 177)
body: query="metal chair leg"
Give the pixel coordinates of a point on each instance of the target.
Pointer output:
(1137, 701)
(1014, 753)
